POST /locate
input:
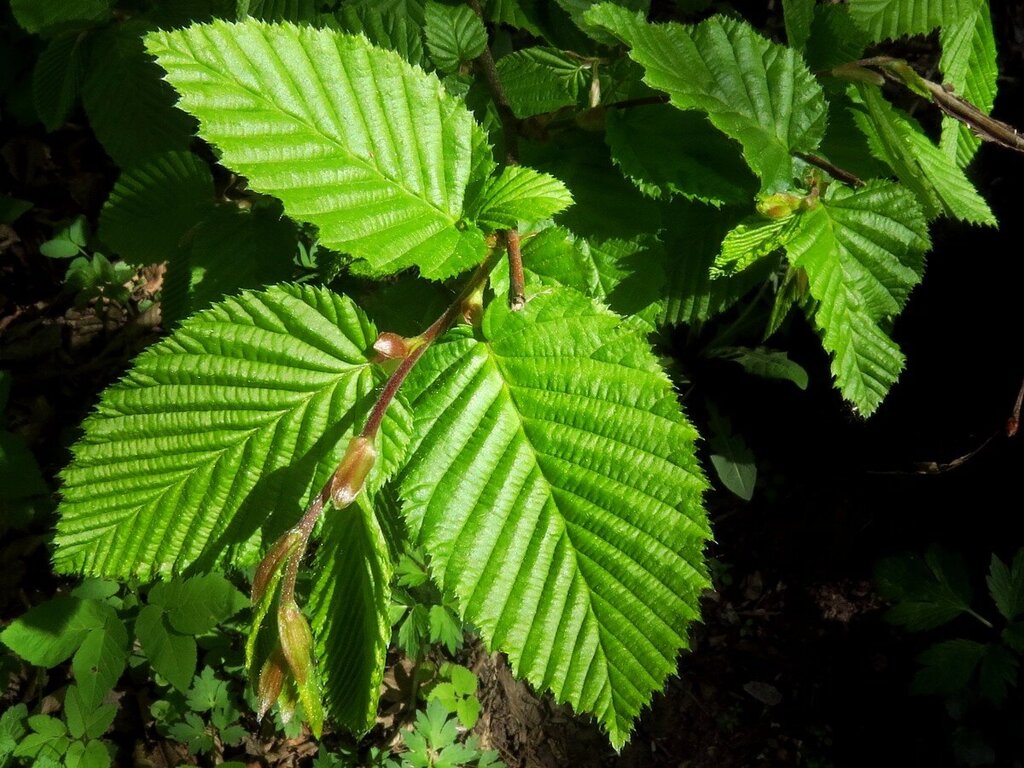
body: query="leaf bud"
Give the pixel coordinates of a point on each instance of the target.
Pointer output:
(391, 346)
(296, 641)
(271, 681)
(780, 205)
(270, 563)
(351, 474)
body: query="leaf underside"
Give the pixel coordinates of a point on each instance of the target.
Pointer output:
(224, 427)
(554, 483)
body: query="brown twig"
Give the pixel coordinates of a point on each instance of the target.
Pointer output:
(899, 71)
(832, 170)
(304, 528)
(510, 136)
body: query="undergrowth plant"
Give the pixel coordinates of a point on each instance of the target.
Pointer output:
(481, 218)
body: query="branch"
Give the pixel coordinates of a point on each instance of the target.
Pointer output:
(832, 170)
(350, 474)
(877, 68)
(510, 136)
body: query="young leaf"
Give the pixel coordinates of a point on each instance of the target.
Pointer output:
(1006, 585)
(57, 78)
(766, 363)
(50, 632)
(927, 592)
(730, 456)
(455, 34)
(554, 484)
(153, 204)
(348, 612)
(171, 654)
(968, 63)
(666, 152)
(100, 660)
(898, 140)
(998, 672)
(624, 274)
(889, 19)
(86, 719)
(692, 294)
(314, 117)
(757, 92)
(947, 667)
(197, 605)
(798, 15)
(241, 414)
(228, 250)
(391, 29)
(752, 239)
(518, 195)
(835, 39)
(539, 80)
(131, 110)
(48, 17)
(863, 251)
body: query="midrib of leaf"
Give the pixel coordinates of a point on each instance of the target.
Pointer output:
(341, 148)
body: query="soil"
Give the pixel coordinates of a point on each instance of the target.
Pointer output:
(793, 664)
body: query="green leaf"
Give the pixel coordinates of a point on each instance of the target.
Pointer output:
(392, 29)
(230, 249)
(57, 78)
(1006, 585)
(557, 440)
(759, 93)
(278, 100)
(48, 17)
(11, 208)
(798, 15)
(898, 140)
(520, 195)
(539, 80)
(863, 251)
(577, 10)
(195, 606)
(348, 614)
(20, 476)
(93, 754)
(279, 10)
(766, 363)
(99, 662)
(207, 692)
(666, 152)
(154, 204)
(455, 34)
(445, 629)
(86, 719)
(947, 667)
(604, 203)
(730, 456)
(624, 274)
(692, 295)
(130, 108)
(998, 673)
(889, 19)
(171, 654)
(50, 632)
(927, 592)
(229, 424)
(835, 39)
(752, 239)
(968, 63)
